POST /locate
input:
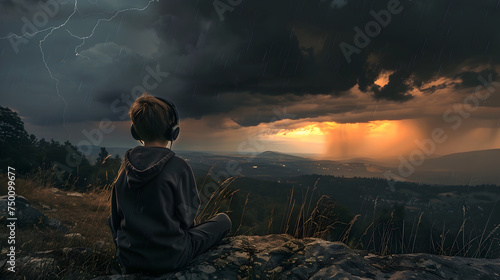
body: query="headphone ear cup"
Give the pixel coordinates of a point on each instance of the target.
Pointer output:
(174, 132)
(134, 133)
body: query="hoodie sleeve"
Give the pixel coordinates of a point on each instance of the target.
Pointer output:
(187, 199)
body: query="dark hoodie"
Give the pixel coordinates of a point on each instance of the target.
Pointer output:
(153, 204)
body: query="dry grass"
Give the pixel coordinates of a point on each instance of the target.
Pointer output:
(311, 218)
(87, 215)
(222, 195)
(391, 238)
(84, 216)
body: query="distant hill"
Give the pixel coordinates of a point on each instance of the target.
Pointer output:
(468, 168)
(275, 156)
(467, 161)
(113, 151)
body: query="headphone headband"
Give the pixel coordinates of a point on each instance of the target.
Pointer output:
(172, 106)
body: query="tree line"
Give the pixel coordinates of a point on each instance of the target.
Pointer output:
(42, 159)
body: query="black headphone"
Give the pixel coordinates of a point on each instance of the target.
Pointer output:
(172, 131)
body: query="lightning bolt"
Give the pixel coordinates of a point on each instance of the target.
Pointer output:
(115, 14)
(30, 35)
(75, 9)
(83, 39)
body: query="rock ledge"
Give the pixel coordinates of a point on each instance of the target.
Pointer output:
(284, 257)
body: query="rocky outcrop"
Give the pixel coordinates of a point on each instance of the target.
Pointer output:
(27, 215)
(284, 257)
(49, 264)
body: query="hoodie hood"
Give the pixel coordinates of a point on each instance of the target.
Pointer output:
(142, 164)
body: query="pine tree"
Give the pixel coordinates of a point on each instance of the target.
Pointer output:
(11, 127)
(103, 154)
(16, 146)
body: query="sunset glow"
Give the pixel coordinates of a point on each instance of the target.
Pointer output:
(343, 140)
(383, 78)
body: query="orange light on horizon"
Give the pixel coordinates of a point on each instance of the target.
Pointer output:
(308, 130)
(324, 128)
(343, 140)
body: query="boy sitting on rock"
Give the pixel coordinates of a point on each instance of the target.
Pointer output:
(154, 198)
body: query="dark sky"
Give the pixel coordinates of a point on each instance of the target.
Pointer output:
(274, 71)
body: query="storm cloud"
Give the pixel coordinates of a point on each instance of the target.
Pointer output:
(264, 54)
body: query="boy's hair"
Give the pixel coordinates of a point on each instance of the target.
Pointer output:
(151, 117)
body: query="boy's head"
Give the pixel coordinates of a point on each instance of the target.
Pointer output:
(151, 118)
